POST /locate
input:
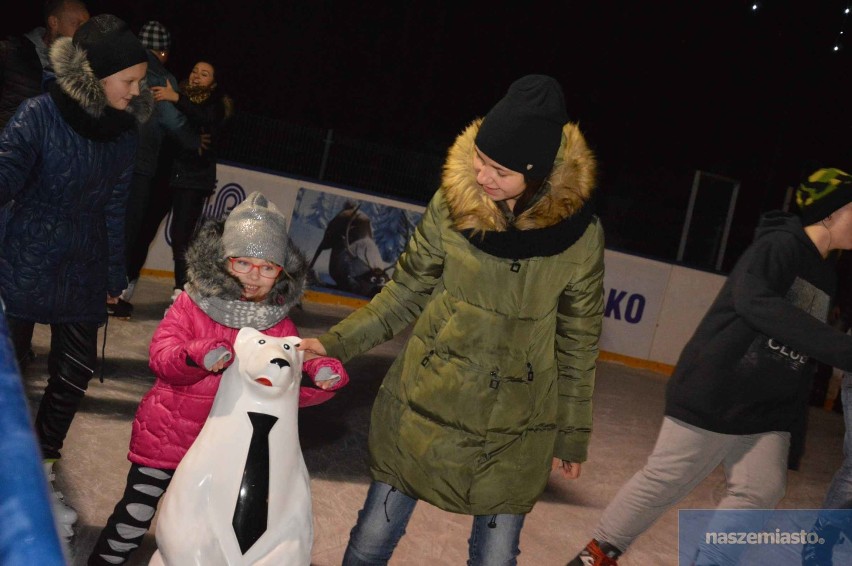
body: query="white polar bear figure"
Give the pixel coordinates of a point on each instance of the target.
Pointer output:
(209, 515)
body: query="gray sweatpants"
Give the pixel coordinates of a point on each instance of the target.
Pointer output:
(755, 468)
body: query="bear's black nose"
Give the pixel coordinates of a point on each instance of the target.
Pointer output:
(280, 362)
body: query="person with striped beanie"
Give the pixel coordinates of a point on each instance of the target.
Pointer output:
(155, 37)
(150, 197)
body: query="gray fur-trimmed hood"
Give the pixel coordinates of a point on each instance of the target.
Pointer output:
(207, 272)
(75, 77)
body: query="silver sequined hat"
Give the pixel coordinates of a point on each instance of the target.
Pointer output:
(256, 228)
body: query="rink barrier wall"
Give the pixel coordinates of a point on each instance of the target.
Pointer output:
(651, 307)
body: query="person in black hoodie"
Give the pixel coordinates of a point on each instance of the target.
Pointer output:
(742, 381)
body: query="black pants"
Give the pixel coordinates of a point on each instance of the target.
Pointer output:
(137, 204)
(187, 207)
(148, 211)
(124, 530)
(70, 365)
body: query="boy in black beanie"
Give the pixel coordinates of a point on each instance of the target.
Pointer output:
(66, 158)
(743, 379)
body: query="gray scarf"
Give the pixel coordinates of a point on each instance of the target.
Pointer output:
(238, 313)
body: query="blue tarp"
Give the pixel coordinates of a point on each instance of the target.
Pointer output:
(27, 532)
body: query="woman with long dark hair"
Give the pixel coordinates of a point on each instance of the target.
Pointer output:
(193, 177)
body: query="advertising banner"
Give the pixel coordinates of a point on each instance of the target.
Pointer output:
(351, 244)
(634, 288)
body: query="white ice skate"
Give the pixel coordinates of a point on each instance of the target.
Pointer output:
(127, 294)
(64, 516)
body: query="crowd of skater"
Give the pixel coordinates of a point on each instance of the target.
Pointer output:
(492, 394)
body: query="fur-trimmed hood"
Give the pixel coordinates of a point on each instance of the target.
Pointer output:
(75, 77)
(208, 276)
(567, 189)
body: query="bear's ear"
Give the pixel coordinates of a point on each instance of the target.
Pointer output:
(292, 340)
(246, 334)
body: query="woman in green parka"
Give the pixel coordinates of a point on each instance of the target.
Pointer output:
(504, 277)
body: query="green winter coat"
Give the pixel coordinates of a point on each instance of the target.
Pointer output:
(497, 377)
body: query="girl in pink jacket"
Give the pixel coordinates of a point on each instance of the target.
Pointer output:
(242, 272)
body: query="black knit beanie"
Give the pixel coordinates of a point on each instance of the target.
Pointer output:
(823, 192)
(109, 44)
(524, 129)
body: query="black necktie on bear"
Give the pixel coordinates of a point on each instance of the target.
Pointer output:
(252, 509)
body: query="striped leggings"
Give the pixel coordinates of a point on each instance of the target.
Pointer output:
(132, 516)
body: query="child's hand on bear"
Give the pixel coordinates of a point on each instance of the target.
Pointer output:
(218, 359)
(326, 378)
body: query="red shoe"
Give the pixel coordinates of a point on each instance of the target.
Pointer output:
(597, 554)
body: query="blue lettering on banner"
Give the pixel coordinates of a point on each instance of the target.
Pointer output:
(633, 309)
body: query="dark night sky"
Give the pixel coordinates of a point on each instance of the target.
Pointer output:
(660, 88)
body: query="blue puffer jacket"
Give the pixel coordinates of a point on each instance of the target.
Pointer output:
(66, 160)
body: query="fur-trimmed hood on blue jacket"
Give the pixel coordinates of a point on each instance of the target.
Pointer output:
(75, 77)
(66, 161)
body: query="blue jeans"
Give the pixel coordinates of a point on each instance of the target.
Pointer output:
(830, 524)
(839, 494)
(381, 523)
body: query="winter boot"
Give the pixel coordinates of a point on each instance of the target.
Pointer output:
(597, 554)
(64, 515)
(120, 310)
